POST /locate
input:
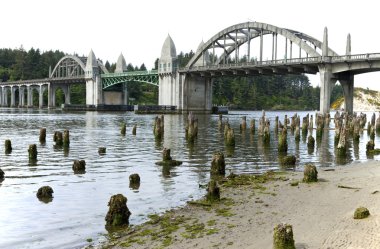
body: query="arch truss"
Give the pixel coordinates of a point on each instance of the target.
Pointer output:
(69, 67)
(231, 40)
(111, 79)
(73, 67)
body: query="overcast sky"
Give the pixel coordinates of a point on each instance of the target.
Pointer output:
(138, 28)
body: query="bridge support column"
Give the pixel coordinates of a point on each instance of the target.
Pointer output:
(29, 98)
(66, 91)
(125, 94)
(21, 96)
(51, 96)
(94, 91)
(41, 96)
(197, 94)
(327, 82)
(347, 82)
(5, 97)
(13, 96)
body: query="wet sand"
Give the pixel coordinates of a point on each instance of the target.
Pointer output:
(321, 214)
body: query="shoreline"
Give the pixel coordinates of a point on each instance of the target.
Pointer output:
(321, 214)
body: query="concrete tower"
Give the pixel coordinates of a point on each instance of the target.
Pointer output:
(92, 68)
(121, 65)
(168, 60)
(169, 87)
(94, 90)
(204, 60)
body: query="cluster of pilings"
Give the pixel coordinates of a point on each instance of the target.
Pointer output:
(60, 139)
(264, 129)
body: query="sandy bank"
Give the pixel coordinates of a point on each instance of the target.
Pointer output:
(321, 214)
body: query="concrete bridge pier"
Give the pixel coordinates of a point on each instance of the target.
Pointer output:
(21, 92)
(94, 91)
(13, 96)
(327, 82)
(29, 96)
(42, 88)
(125, 94)
(197, 94)
(347, 82)
(66, 91)
(4, 95)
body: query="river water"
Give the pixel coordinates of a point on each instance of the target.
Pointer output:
(78, 209)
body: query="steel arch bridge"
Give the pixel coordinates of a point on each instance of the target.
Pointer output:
(111, 79)
(231, 39)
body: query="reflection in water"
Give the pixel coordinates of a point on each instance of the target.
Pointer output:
(81, 200)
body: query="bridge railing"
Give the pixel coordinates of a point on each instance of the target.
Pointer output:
(256, 63)
(356, 57)
(292, 61)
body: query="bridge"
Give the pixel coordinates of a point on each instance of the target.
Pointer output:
(237, 50)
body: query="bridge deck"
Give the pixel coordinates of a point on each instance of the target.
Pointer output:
(283, 66)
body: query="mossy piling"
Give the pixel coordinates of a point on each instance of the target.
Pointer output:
(361, 213)
(158, 129)
(43, 135)
(8, 146)
(32, 150)
(283, 237)
(134, 130)
(102, 150)
(66, 138)
(218, 164)
(2, 175)
(243, 124)
(118, 213)
(167, 159)
(79, 166)
(58, 138)
(282, 141)
(191, 128)
(134, 181)
(45, 192)
(123, 129)
(213, 191)
(252, 127)
(310, 173)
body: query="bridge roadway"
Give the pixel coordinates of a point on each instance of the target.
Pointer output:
(358, 63)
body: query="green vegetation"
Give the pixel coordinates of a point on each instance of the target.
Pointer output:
(279, 92)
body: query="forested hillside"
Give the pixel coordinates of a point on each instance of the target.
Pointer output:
(280, 92)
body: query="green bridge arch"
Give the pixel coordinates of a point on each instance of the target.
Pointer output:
(111, 79)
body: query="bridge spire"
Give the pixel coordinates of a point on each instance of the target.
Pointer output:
(204, 60)
(121, 65)
(348, 45)
(168, 60)
(325, 45)
(91, 65)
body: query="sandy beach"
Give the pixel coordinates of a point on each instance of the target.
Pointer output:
(321, 214)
